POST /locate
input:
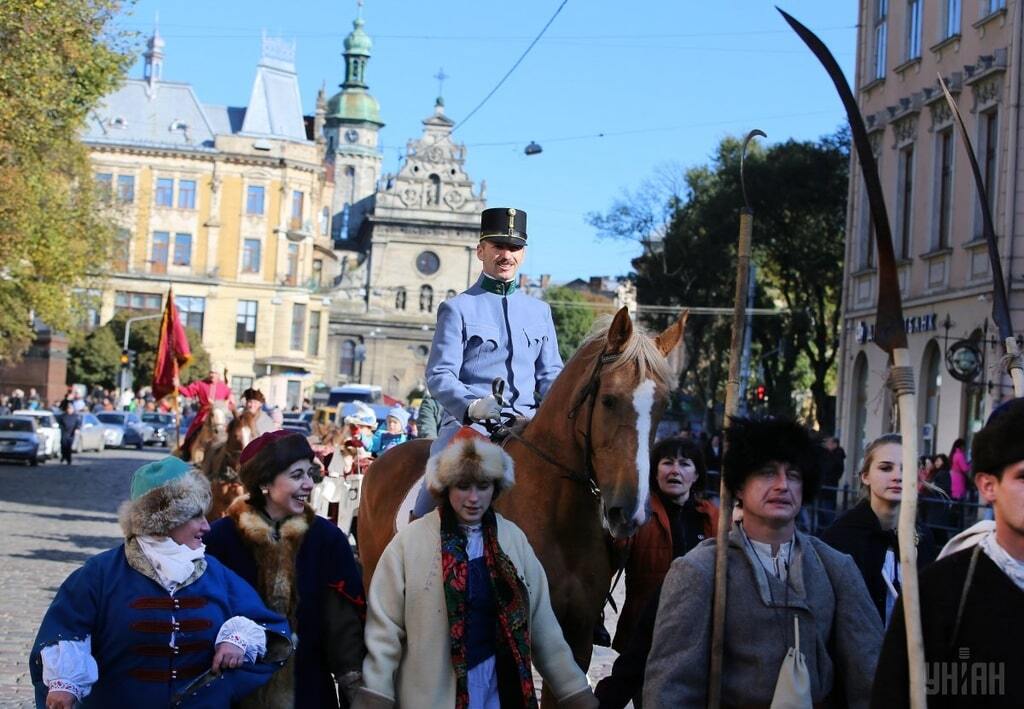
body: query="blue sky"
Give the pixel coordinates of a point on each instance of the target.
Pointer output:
(664, 81)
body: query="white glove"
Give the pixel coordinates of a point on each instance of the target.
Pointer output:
(485, 408)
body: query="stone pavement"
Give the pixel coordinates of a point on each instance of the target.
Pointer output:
(53, 518)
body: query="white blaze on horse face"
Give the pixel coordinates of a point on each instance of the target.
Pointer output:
(643, 404)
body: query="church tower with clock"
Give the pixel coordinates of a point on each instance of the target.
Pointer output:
(351, 129)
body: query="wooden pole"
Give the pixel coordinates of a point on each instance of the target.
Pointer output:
(732, 389)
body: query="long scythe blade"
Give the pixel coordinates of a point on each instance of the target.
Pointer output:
(1000, 301)
(891, 336)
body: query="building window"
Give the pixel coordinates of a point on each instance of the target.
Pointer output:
(434, 191)
(250, 255)
(125, 189)
(313, 343)
(127, 300)
(906, 200)
(254, 200)
(881, 37)
(191, 310)
(952, 24)
(182, 249)
(239, 385)
(995, 6)
(104, 181)
(931, 372)
(990, 139)
(449, 294)
(426, 299)
(164, 192)
(293, 394)
(158, 256)
(400, 298)
(318, 273)
(187, 194)
(325, 219)
(245, 323)
(945, 200)
(297, 199)
(291, 275)
(913, 29)
(347, 364)
(298, 325)
(122, 250)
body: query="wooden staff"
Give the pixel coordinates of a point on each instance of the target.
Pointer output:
(1000, 302)
(891, 336)
(732, 393)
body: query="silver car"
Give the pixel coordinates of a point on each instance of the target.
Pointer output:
(90, 436)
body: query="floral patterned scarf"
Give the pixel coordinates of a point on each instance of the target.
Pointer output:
(510, 596)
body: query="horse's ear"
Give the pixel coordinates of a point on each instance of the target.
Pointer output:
(619, 332)
(672, 335)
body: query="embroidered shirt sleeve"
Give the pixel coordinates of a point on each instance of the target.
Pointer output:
(68, 666)
(245, 634)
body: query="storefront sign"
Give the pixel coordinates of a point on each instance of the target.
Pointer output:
(918, 323)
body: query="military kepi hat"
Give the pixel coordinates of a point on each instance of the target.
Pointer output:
(503, 225)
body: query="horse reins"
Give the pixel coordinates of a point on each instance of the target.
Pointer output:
(589, 393)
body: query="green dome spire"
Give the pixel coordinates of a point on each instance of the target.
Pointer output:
(354, 103)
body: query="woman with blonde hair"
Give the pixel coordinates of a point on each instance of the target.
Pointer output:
(867, 532)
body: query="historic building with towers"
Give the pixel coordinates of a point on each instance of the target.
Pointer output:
(301, 265)
(934, 212)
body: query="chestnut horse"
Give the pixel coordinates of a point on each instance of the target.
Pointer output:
(582, 467)
(220, 463)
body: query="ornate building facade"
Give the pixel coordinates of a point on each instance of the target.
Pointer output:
(223, 203)
(405, 242)
(934, 211)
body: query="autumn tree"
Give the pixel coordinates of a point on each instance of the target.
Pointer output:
(59, 58)
(573, 317)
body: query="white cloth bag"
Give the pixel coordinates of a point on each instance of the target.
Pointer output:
(793, 687)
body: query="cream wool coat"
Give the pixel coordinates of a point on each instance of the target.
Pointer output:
(408, 662)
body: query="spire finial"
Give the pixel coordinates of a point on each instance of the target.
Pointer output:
(441, 76)
(359, 9)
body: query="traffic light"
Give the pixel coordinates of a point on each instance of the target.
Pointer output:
(761, 392)
(126, 358)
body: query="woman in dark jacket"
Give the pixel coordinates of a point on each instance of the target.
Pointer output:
(868, 531)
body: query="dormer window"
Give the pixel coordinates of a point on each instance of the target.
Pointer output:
(118, 122)
(179, 125)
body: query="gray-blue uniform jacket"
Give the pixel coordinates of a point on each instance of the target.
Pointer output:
(491, 330)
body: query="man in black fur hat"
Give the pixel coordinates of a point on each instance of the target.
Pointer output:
(785, 590)
(972, 602)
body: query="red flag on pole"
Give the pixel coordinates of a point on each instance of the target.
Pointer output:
(172, 351)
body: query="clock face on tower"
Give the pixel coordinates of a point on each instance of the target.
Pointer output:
(427, 263)
(351, 135)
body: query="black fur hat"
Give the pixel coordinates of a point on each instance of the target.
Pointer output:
(1001, 442)
(750, 443)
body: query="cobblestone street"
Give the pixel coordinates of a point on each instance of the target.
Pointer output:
(55, 517)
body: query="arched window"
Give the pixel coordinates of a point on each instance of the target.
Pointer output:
(931, 381)
(426, 299)
(434, 192)
(450, 294)
(347, 365)
(400, 299)
(859, 409)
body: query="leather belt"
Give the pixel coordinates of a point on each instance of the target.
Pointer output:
(188, 625)
(168, 675)
(172, 651)
(168, 603)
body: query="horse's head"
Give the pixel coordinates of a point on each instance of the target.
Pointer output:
(622, 383)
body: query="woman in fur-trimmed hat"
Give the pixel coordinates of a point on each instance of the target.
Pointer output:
(155, 620)
(301, 565)
(458, 609)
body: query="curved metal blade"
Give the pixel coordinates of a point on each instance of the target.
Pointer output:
(1000, 305)
(890, 332)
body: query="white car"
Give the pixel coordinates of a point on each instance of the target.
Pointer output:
(48, 429)
(91, 434)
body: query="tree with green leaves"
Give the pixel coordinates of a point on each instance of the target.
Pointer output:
(573, 316)
(798, 195)
(59, 58)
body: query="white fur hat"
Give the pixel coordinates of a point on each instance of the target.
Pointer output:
(470, 459)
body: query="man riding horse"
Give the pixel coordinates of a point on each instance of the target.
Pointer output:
(208, 392)
(489, 331)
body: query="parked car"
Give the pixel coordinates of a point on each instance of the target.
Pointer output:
(91, 435)
(163, 428)
(124, 428)
(46, 426)
(20, 439)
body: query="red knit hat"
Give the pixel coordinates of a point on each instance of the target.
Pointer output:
(259, 443)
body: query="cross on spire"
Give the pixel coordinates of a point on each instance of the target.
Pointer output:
(359, 9)
(440, 76)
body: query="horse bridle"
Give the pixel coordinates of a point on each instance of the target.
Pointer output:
(588, 394)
